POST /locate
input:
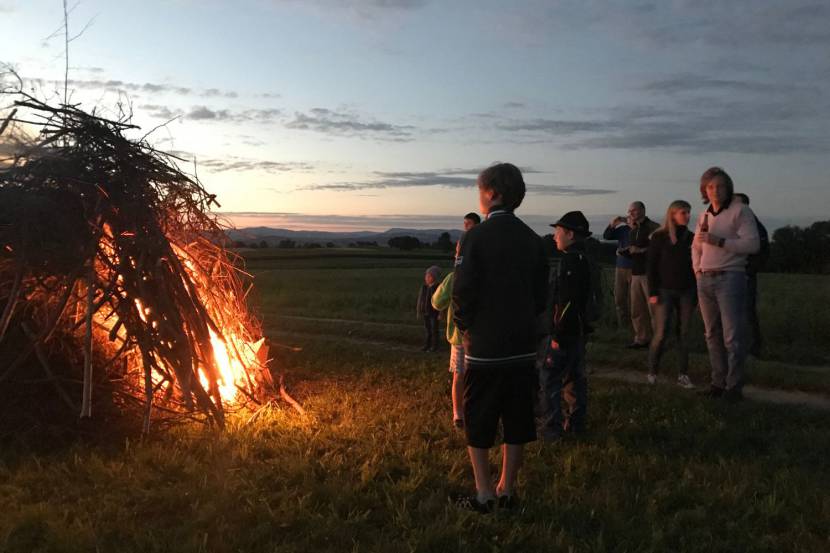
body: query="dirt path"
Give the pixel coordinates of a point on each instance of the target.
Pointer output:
(754, 393)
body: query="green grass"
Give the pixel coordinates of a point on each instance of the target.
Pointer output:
(370, 467)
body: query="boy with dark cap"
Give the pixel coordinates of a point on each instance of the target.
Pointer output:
(562, 371)
(499, 289)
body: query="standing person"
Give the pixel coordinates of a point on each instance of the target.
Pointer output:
(563, 369)
(618, 230)
(754, 264)
(470, 220)
(425, 310)
(500, 288)
(637, 251)
(441, 300)
(672, 288)
(727, 235)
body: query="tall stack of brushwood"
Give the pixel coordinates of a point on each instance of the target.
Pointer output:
(111, 264)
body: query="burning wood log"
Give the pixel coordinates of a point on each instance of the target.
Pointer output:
(111, 227)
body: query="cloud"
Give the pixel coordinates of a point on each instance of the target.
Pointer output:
(557, 126)
(114, 84)
(689, 83)
(454, 178)
(160, 112)
(697, 114)
(343, 123)
(742, 24)
(205, 113)
(367, 9)
(127, 86)
(215, 92)
(265, 166)
(199, 113)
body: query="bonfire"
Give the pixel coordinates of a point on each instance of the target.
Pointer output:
(112, 264)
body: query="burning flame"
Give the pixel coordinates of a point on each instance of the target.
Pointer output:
(233, 369)
(235, 352)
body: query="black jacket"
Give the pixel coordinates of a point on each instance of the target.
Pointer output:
(670, 265)
(499, 289)
(640, 237)
(571, 290)
(756, 261)
(424, 307)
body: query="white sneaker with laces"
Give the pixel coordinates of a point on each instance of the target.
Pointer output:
(652, 379)
(685, 382)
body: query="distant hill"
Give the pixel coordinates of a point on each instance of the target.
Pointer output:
(274, 235)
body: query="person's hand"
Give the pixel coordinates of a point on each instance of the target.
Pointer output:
(707, 238)
(654, 300)
(617, 220)
(554, 345)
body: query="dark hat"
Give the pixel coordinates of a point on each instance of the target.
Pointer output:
(575, 221)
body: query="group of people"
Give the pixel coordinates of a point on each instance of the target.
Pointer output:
(658, 280)
(518, 328)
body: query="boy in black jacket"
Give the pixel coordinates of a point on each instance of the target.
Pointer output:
(563, 366)
(499, 289)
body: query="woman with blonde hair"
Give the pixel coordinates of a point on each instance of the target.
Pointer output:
(672, 287)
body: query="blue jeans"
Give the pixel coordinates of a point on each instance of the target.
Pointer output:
(562, 376)
(679, 303)
(722, 299)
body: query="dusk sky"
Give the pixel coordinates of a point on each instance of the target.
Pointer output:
(309, 114)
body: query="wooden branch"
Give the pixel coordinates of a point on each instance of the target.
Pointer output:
(11, 303)
(288, 399)
(86, 401)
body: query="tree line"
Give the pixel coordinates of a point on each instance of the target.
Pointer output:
(793, 249)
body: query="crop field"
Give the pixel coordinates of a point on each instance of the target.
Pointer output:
(371, 464)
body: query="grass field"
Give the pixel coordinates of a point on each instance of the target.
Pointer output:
(370, 466)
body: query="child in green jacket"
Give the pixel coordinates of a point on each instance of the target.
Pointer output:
(441, 300)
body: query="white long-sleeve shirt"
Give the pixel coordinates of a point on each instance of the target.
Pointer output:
(736, 225)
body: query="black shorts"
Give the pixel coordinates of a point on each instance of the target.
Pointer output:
(499, 392)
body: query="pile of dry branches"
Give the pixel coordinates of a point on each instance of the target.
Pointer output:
(110, 259)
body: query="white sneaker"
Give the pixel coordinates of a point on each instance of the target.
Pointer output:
(684, 382)
(652, 379)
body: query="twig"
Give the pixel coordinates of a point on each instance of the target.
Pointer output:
(288, 399)
(7, 120)
(86, 402)
(11, 303)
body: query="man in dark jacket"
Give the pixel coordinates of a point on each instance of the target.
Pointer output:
(641, 317)
(500, 287)
(562, 371)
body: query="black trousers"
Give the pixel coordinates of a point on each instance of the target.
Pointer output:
(753, 323)
(431, 331)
